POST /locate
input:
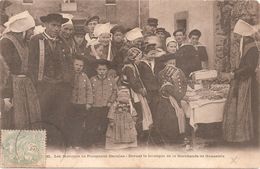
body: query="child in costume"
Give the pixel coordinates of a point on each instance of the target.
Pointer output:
(104, 90)
(82, 99)
(121, 132)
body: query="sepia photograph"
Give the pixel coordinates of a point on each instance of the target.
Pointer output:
(130, 83)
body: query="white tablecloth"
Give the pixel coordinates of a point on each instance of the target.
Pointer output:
(204, 111)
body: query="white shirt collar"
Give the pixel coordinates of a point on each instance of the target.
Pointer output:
(48, 36)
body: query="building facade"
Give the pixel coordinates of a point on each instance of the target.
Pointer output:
(130, 13)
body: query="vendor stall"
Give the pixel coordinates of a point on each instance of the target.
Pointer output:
(205, 104)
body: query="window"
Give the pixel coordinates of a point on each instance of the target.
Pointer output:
(181, 24)
(110, 2)
(27, 2)
(181, 20)
(69, 1)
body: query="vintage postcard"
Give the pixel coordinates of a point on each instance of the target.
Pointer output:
(130, 83)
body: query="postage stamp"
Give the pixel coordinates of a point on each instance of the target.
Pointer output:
(23, 148)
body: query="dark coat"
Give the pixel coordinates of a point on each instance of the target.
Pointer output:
(132, 77)
(148, 77)
(58, 61)
(13, 61)
(187, 59)
(202, 52)
(119, 55)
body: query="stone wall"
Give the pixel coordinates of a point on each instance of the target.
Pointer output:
(126, 11)
(226, 42)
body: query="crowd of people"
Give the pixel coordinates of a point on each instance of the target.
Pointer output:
(99, 84)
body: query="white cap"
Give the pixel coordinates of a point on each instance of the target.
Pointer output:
(68, 16)
(134, 34)
(39, 29)
(170, 39)
(244, 29)
(102, 28)
(20, 22)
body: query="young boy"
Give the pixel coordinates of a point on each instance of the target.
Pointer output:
(82, 99)
(104, 94)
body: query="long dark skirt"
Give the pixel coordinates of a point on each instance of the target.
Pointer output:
(26, 107)
(238, 115)
(166, 122)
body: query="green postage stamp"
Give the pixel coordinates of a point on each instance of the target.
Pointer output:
(23, 148)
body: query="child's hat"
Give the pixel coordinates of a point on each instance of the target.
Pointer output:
(102, 62)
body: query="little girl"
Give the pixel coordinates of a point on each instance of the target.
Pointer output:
(121, 132)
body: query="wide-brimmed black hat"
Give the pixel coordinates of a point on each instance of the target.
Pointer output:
(54, 17)
(93, 18)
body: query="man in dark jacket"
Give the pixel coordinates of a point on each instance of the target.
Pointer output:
(51, 70)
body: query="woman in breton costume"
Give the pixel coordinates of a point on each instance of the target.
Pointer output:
(104, 38)
(240, 112)
(20, 90)
(131, 77)
(170, 120)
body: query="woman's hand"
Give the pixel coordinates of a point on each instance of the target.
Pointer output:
(227, 76)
